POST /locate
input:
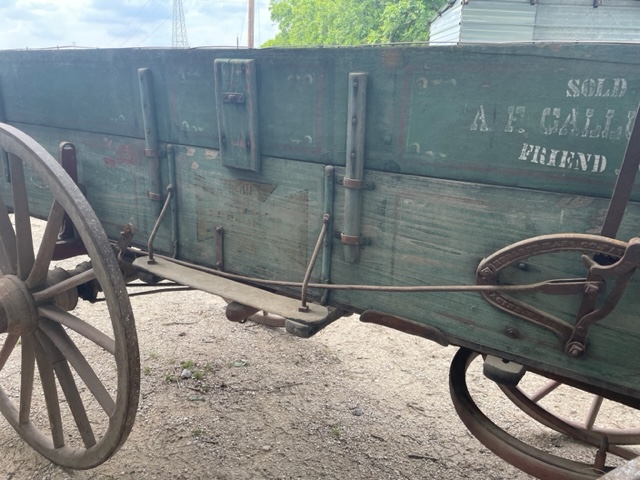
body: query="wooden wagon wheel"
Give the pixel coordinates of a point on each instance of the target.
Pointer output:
(521, 455)
(529, 404)
(86, 414)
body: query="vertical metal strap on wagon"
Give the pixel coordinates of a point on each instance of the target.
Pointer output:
(624, 183)
(354, 170)
(149, 120)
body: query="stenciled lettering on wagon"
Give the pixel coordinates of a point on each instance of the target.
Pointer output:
(577, 121)
(566, 159)
(596, 87)
(586, 124)
(567, 122)
(538, 247)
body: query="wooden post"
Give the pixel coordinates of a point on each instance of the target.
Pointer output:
(251, 23)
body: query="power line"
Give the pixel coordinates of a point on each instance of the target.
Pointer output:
(142, 25)
(154, 31)
(129, 24)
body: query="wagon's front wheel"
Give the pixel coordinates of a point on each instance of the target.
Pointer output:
(69, 371)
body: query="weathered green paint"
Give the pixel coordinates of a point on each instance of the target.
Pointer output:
(469, 149)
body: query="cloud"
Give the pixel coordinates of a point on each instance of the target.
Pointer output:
(127, 23)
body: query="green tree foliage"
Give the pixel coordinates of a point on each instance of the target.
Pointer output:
(351, 22)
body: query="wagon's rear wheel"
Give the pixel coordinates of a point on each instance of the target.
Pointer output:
(74, 413)
(526, 457)
(614, 436)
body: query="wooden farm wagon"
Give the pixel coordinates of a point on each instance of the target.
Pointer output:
(477, 196)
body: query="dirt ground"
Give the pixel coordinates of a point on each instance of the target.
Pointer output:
(356, 401)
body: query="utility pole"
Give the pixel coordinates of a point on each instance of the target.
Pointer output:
(179, 31)
(251, 22)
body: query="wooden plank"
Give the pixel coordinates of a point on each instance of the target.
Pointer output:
(534, 116)
(435, 232)
(271, 220)
(231, 290)
(115, 176)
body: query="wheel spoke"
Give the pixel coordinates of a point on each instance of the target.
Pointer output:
(70, 390)
(7, 348)
(593, 412)
(544, 391)
(71, 352)
(26, 378)
(24, 245)
(47, 294)
(48, 244)
(90, 332)
(8, 256)
(48, 381)
(54, 367)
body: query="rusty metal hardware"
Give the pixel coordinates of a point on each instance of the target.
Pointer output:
(327, 244)
(233, 97)
(307, 276)
(306, 329)
(350, 239)
(572, 285)
(405, 325)
(69, 243)
(357, 184)
(68, 160)
(615, 212)
(622, 270)
(573, 337)
(171, 169)
(156, 227)
(237, 312)
(220, 248)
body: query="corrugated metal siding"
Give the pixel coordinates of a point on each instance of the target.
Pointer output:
(614, 20)
(445, 30)
(485, 21)
(492, 21)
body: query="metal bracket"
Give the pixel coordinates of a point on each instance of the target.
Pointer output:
(357, 184)
(220, 248)
(69, 243)
(358, 240)
(233, 98)
(150, 125)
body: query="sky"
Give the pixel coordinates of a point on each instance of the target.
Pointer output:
(128, 23)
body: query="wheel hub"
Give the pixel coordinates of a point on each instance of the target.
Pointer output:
(18, 312)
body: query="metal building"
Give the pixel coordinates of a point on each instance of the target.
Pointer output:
(495, 21)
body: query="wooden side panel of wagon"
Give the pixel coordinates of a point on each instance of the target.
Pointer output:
(467, 149)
